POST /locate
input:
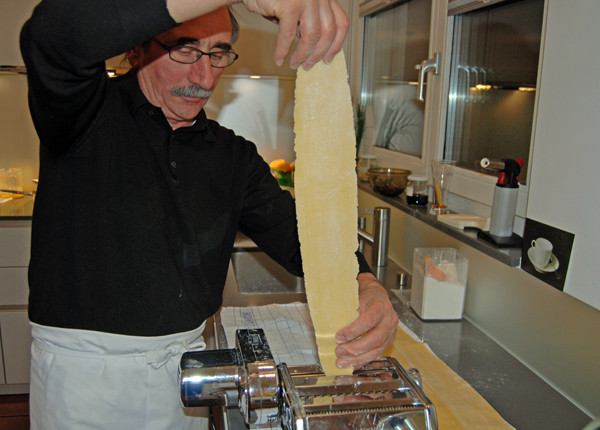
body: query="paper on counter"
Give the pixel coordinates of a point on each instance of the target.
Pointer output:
(288, 329)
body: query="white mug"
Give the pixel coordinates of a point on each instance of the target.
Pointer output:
(541, 252)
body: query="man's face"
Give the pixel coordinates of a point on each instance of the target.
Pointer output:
(158, 75)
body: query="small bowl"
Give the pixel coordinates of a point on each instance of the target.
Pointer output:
(388, 181)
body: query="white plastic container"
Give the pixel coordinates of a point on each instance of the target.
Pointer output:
(439, 283)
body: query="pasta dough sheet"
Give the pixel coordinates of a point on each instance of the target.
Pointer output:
(326, 201)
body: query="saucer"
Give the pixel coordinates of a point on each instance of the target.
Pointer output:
(552, 266)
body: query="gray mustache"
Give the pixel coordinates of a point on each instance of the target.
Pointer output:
(191, 91)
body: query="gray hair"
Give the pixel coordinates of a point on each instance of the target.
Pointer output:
(235, 31)
(235, 26)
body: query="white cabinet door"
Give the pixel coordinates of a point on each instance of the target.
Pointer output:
(13, 286)
(16, 343)
(2, 380)
(14, 246)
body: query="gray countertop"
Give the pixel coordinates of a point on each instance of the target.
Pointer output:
(522, 398)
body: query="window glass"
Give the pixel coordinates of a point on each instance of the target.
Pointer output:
(493, 76)
(395, 40)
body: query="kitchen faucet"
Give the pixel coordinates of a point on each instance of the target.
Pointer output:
(381, 234)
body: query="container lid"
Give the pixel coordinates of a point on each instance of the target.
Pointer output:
(417, 178)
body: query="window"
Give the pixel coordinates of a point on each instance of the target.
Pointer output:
(493, 44)
(395, 40)
(493, 73)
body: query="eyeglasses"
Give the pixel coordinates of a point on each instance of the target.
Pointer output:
(186, 54)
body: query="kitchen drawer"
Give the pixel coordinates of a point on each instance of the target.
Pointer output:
(13, 286)
(14, 246)
(2, 380)
(16, 345)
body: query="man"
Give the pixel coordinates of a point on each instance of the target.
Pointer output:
(140, 198)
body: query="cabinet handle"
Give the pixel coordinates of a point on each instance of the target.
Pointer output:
(433, 64)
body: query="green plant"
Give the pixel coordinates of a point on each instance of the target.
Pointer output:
(359, 126)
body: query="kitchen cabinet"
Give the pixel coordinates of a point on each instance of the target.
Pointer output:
(2, 379)
(13, 13)
(15, 332)
(16, 342)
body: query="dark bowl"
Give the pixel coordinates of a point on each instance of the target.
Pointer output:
(388, 181)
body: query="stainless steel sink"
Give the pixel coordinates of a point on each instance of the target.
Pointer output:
(257, 273)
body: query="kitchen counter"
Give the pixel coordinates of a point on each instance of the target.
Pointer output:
(17, 209)
(522, 398)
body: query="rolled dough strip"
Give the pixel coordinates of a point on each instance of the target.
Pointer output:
(326, 201)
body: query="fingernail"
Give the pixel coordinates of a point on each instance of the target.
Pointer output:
(307, 66)
(342, 363)
(340, 352)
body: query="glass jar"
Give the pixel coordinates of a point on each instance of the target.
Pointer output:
(365, 162)
(417, 190)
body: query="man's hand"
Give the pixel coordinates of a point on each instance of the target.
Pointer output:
(367, 338)
(320, 25)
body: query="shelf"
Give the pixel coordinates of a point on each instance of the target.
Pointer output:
(508, 256)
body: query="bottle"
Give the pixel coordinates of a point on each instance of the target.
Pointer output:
(506, 193)
(416, 190)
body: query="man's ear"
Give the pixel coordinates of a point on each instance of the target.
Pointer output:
(133, 57)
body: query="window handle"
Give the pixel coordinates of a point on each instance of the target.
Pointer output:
(433, 64)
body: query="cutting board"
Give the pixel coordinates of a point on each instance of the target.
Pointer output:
(462, 221)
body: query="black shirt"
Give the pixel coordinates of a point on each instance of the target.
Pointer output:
(133, 223)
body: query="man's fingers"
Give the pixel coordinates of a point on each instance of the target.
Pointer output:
(328, 30)
(342, 25)
(320, 26)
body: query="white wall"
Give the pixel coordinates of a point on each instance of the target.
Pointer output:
(260, 110)
(564, 187)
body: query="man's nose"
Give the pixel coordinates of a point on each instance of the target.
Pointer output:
(201, 73)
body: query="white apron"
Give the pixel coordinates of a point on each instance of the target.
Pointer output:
(91, 380)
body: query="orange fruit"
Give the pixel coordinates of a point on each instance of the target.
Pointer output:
(280, 165)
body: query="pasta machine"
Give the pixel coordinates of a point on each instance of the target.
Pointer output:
(382, 395)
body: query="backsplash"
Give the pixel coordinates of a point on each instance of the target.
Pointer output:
(259, 108)
(18, 139)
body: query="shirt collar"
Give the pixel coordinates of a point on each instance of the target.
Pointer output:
(137, 100)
